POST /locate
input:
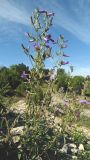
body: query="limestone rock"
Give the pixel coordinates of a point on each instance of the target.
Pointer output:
(17, 131)
(81, 147)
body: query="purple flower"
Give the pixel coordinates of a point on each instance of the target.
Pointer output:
(47, 46)
(64, 63)
(47, 38)
(37, 47)
(84, 102)
(53, 41)
(88, 102)
(42, 11)
(65, 55)
(24, 75)
(50, 14)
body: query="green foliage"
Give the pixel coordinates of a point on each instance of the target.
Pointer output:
(87, 89)
(62, 80)
(77, 83)
(10, 78)
(42, 138)
(21, 89)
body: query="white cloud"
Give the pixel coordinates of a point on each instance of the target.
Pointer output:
(12, 13)
(73, 18)
(76, 19)
(84, 71)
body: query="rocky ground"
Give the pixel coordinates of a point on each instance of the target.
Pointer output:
(19, 107)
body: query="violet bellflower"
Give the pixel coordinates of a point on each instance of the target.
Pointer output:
(64, 63)
(24, 75)
(48, 38)
(84, 102)
(65, 55)
(52, 40)
(50, 14)
(47, 46)
(42, 11)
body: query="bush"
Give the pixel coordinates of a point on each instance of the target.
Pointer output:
(77, 84)
(62, 80)
(21, 90)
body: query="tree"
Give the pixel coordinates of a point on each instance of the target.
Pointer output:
(77, 83)
(62, 79)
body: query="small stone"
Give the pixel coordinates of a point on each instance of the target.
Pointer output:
(64, 149)
(88, 142)
(72, 145)
(74, 157)
(17, 131)
(74, 150)
(16, 139)
(81, 147)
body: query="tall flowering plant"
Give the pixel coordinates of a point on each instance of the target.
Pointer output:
(43, 138)
(41, 44)
(41, 134)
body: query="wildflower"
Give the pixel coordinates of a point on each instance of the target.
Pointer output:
(88, 102)
(37, 47)
(50, 14)
(47, 46)
(47, 38)
(65, 55)
(42, 11)
(53, 41)
(84, 102)
(24, 75)
(64, 63)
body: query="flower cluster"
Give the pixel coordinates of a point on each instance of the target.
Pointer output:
(24, 75)
(43, 42)
(84, 101)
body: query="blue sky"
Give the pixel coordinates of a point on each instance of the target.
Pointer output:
(71, 19)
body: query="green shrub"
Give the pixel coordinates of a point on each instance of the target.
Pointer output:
(77, 84)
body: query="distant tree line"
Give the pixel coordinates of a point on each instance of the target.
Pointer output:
(11, 82)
